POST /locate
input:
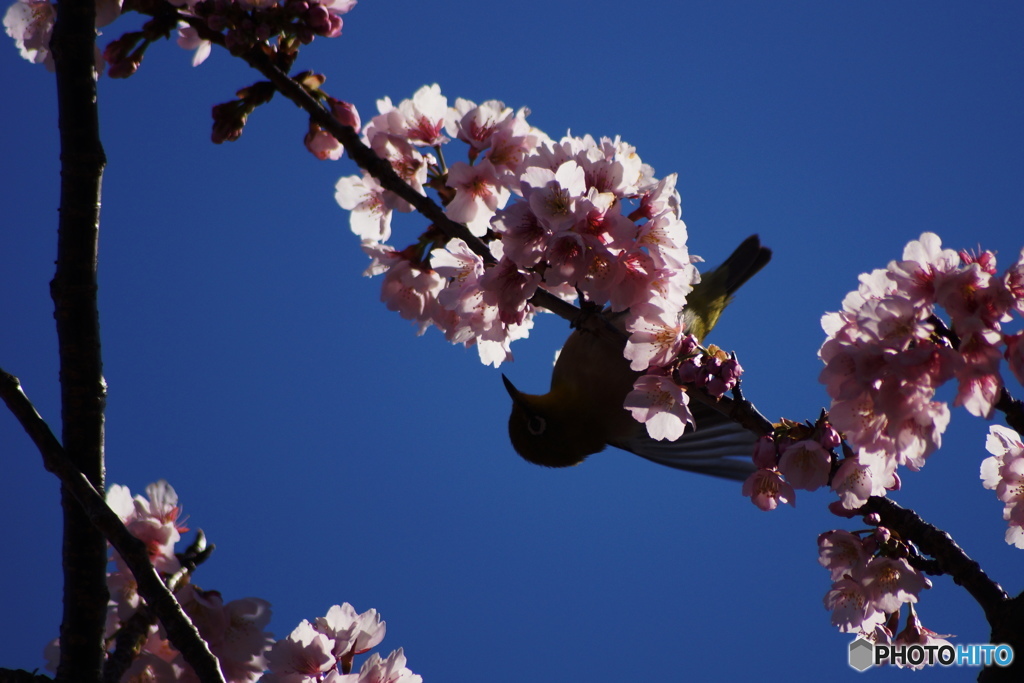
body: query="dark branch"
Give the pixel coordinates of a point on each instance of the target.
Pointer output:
(1013, 409)
(83, 391)
(932, 541)
(180, 630)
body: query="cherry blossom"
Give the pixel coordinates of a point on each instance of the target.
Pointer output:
(891, 581)
(363, 197)
(30, 23)
(478, 195)
(806, 465)
(351, 632)
(303, 657)
(914, 633)
(766, 489)
(851, 606)
(843, 553)
(378, 670)
(661, 404)
(1004, 473)
(855, 481)
(657, 336)
(420, 119)
(234, 631)
(152, 520)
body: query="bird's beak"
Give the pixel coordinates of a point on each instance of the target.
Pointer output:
(510, 388)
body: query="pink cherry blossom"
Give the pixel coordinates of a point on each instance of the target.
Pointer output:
(154, 521)
(664, 233)
(1004, 473)
(524, 239)
(716, 372)
(611, 165)
(980, 384)
(767, 489)
(806, 465)
(478, 195)
(410, 165)
(914, 633)
(568, 258)
(924, 260)
(234, 632)
(852, 609)
(891, 581)
(410, 290)
(303, 657)
(378, 670)
(636, 281)
(842, 553)
(656, 336)
(855, 481)
(462, 267)
(30, 23)
(509, 288)
(352, 633)
(476, 124)
(418, 120)
(661, 404)
(553, 194)
(511, 141)
(363, 197)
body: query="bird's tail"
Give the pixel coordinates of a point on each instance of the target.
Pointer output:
(744, 262)
(718, 447)
(713, 293)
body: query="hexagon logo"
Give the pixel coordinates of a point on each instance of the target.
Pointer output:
(862, 654)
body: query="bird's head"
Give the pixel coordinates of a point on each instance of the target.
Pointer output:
(545, 430)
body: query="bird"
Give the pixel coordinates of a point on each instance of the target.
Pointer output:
(583, 411)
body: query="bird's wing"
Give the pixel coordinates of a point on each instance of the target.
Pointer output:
(718, 447)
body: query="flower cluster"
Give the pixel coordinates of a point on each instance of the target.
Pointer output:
(322, 652)
(278, 25)
(887, 352)
(1004, 472)
(574, 217)
(247, 23)
(871, 581)
(795, 456)
(235, 630)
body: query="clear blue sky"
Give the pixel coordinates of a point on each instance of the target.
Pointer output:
(334, 456)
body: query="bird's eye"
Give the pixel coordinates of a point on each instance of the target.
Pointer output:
(536, 425)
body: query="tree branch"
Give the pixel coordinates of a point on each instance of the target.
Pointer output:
(380, 169)
(368, 160)
(1005, 615)
(180, 630)
(83, 390)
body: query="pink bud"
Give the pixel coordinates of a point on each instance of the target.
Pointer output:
(345, 112)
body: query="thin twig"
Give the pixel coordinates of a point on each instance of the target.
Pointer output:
(370, 162)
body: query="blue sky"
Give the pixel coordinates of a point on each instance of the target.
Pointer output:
(334, 456)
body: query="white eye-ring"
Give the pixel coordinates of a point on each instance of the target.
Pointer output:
(536, 425)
